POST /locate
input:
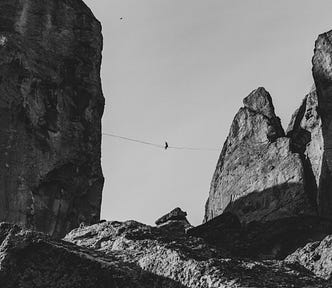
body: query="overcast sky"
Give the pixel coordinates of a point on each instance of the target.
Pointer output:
(177, 70)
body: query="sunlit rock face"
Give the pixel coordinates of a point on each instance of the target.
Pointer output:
(310, 129)
(258, 177)
(51, 105)
(306, 138)
(322, 73)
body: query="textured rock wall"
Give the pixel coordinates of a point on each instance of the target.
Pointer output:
(306, 137)
(322, 73)
(51, 105)
(258, 177)
(310, 129)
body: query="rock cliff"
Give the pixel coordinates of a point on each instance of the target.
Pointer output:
(51, 106)
(322, 73)
(258, 176)
(310, 129)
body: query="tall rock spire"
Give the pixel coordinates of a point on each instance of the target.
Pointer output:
(51, 105)
(258, 177)
(311, 127)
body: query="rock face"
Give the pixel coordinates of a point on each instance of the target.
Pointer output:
(258, 177)
(133, 255)
(185, 261)
(310, 129)
(322, 73)
(262, 240)
(306, 138)
(175, 220)
(51, 106)
(316, 257)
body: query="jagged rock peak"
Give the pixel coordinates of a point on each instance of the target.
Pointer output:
(258, 177)
(51, 104)
(260, 101)
(322, 69)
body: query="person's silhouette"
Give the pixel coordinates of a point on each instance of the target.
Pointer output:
(166, 145)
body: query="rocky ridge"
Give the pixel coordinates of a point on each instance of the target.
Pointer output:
(131, 254)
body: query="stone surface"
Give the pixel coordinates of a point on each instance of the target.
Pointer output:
(310, 128)
(133, 255)
(34, 260)
(306, 138)
(315, 256)
(267, 240)
(258, 177)
(51, 106)
(175, 214)
(186, 260)
(322, 73)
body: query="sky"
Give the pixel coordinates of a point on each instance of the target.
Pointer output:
(177, 71)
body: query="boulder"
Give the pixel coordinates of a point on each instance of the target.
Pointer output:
(316, 257)
(51, 105)
(175, 214)
(175, 221)
(258, 177)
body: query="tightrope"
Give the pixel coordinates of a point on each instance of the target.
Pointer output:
(158, 145)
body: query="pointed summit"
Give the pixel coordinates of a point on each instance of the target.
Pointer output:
(260, 101)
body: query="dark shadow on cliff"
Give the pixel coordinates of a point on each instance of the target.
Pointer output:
(277, 233)
(299, 139)
(275, 202)
(325, 185)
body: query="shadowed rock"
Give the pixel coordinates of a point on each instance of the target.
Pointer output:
(51, 105)
(262, 240)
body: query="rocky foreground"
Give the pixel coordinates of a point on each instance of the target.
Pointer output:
(131, 254)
